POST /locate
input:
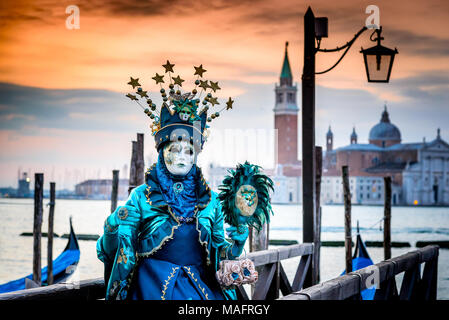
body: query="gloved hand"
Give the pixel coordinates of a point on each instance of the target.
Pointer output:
(125, 216)
(240, 233)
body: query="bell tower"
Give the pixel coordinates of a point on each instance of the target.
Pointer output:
(329, 140)
(286, 116)
(353, 136)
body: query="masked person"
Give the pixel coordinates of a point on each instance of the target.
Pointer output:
(168, 239)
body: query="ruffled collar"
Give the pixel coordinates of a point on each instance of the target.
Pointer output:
(153, 192)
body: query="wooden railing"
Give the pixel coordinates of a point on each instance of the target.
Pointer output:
(272, 279)
(413, 287)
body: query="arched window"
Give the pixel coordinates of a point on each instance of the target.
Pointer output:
(279, 97)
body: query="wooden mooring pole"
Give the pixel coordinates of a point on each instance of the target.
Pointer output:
(132, 167)
(387, 218)
(258, 241)
(37, 226)
(347, 202)
(51, 215)
(137, 167)
(317, 222)
(140, 165)
(114, 192)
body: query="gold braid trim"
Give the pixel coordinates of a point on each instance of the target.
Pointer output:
(203, 243)
(196, 280)
(167, 282)
(147, 254)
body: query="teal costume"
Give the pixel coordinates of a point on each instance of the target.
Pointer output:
(152, 251)
(167, 241)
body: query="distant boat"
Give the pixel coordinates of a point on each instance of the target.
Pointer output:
(63, 266)
(360, 260)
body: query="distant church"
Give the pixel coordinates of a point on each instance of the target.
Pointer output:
(419, 170)
(286, 174)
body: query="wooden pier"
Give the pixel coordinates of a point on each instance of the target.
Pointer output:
(273, 282)
(413, 287)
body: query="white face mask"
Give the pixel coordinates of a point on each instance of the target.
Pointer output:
(179, 157)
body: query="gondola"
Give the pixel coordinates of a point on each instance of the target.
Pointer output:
(63, 266)
(360, 260)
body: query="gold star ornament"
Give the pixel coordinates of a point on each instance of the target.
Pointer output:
(199, 70)
(158, 78)
(229, 103)
(134, 82)
(142, 93)
(214, 86)
(213, 101)
(178, 81)
(168, 67)
(131, 96)
(203, 84)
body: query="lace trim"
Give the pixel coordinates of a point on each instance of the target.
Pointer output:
(147, 254)
(203, 243)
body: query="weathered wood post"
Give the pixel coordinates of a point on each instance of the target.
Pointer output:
(114, 192)
(387, 218)
(258, 240)
(317, 222)
(132, 167)
(347, 202)
(308, 135)
(51, 215)
(137, 167)
(37, 226)
(140, 165)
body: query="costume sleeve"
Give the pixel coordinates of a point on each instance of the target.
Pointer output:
(227, 249)
(117, 247)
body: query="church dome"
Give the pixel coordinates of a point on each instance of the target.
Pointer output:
(385, 130)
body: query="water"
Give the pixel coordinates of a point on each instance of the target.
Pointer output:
(408, 224)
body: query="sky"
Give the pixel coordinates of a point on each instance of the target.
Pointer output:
(63, 109)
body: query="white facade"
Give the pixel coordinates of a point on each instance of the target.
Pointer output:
(427, 181)
(216, 175)
(287, 190)
(364, 190)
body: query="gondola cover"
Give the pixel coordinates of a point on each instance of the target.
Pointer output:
(63, 266)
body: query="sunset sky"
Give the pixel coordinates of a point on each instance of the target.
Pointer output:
(63, 109)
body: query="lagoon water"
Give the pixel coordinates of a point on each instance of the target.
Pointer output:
(409, 224)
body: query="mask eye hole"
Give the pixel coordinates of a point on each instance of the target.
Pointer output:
(174, 149)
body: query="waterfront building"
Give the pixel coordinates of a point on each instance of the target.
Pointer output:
(23, 190)
(286, 174)
(419, 170)
(100, 189)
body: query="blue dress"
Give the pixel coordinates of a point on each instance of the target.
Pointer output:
(165, 257)
(177, 270)
(171, 274)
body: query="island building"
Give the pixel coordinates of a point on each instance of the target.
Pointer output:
(419, 170)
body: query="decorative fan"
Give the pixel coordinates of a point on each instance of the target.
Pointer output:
(245, 197)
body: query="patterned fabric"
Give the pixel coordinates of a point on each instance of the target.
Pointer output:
(183, 203)
(124, 249)
(171, 274)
